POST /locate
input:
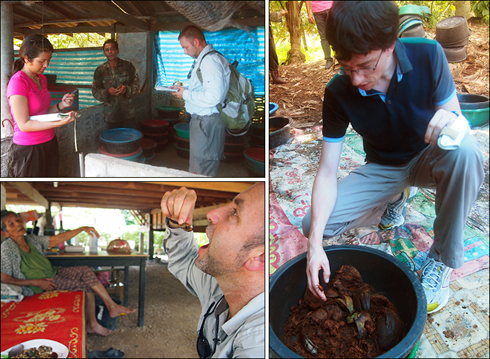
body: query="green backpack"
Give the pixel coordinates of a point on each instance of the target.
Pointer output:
(239, 106)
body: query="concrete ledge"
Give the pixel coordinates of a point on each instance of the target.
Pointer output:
(97, 165)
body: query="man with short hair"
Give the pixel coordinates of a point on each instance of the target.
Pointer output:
(398, 94)
(115, 83)
(207, 129)
(227, 275)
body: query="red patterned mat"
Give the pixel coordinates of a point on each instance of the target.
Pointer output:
(57, 315)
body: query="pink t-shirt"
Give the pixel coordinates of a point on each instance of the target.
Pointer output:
(319, 6)
(38, 101)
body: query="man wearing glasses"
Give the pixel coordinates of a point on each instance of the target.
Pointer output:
(398, 95)
(227, 275)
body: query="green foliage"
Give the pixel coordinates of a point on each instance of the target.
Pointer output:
(281, 35)
(481, 10)
(439, 11)
(128, 217)
(62, 41)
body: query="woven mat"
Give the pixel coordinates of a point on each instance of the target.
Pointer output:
(293, 167)
(57, 315)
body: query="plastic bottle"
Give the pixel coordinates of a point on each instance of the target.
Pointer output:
(93, 242)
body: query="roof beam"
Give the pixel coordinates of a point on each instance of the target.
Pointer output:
(104, 8)
(53, 6)
(75, 30)
(141, 9)
(159, 26)
(236, 187)
(20, 11)
(30, 192)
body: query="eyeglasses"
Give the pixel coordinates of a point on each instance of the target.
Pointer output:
(203, 347)
(366, 71)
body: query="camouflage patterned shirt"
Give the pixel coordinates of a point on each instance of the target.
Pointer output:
(116, 108)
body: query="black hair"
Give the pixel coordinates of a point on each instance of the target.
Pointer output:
(357, 27)
(5, 213)
(111, 41)
(192, 32)
(31, 47)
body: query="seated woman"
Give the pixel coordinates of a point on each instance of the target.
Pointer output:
(24, 264)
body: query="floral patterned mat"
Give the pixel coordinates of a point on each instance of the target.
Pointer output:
(56, 315)
(293, 167)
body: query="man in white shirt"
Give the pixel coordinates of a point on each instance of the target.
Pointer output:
(227, 275)
(207, 130)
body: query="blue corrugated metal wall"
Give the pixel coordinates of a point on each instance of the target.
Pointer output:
(75, 68)
(247, 48)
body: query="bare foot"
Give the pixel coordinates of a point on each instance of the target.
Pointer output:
(116, 310)
(98, 329)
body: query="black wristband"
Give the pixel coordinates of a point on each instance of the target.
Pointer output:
(58, 106)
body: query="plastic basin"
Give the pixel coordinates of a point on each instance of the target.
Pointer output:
(103, 151)
(386, 273)
(255, 158)
(168, 112)
(121, 140)
(273, 108)
(182, 152)
(182, 142)
(474, 108)
(133, 157)
(155, 126)
(148, 145)
(182, 130)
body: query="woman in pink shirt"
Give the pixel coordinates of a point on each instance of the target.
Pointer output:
(35, 147)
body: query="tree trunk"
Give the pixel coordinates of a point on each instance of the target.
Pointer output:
(305, 44)
(293, 20)
(463, 8)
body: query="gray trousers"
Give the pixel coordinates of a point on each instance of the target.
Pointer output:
(456, 175)
(321, 25)
(207, 144)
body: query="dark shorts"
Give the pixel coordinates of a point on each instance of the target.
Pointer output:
(37, 160)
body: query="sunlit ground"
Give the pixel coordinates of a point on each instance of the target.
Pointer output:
(314, 52)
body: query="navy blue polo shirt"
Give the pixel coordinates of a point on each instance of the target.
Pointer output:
(392, 125)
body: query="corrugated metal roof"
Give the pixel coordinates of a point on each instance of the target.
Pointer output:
(100, 16)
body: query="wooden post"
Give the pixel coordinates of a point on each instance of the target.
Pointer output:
(142, 242)
(7, 58)
(150, 239)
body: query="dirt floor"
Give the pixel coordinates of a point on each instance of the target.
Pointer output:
(171, 318)
(302, 97)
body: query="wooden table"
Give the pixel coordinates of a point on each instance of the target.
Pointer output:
(105, 259)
